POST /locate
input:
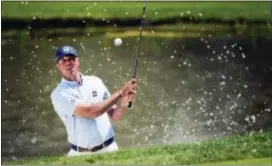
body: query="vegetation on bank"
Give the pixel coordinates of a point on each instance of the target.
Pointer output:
(252, 148)
(162, 31)
(124, 10)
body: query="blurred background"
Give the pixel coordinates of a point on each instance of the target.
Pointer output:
(205, 69)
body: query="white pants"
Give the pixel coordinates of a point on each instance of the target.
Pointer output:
(111, 148)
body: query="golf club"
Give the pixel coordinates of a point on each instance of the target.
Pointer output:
(138, 47)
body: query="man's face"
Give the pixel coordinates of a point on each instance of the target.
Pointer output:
(68, 65)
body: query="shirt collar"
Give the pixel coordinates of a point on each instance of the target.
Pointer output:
(63, 80)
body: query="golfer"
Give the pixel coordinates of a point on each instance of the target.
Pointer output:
(85, 106)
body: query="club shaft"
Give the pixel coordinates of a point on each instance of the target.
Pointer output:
(139, 40)
(138, 46)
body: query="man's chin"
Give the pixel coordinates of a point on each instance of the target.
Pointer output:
(73, 72)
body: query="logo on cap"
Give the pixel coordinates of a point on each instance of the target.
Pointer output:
(65, 50)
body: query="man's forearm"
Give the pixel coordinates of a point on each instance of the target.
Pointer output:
(102, 107)
(95, 110)
(118, 113)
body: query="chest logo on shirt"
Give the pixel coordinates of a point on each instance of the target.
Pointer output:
(94, 93)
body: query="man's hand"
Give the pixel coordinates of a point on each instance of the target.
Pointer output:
(129, 87)
(126, 99)
(129, 92)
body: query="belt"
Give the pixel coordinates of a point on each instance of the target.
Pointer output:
(94, 149)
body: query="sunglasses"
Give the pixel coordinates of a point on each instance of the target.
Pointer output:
(67, 58)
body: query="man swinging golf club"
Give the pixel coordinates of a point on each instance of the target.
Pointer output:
(85, 106)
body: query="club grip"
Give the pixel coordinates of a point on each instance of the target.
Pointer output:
(130, 104)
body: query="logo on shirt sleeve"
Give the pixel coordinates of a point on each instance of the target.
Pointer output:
(105, 96)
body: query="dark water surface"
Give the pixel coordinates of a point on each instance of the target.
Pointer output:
(189, 89)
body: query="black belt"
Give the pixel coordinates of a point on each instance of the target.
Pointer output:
(94, 149)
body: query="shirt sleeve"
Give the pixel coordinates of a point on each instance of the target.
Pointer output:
(106, 93)
(106, 90)
(65, 102)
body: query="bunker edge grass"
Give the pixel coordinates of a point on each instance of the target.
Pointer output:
(246, 149)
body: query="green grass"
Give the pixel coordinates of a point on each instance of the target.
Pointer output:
(266, 160)
(124, 10)
(229, 149)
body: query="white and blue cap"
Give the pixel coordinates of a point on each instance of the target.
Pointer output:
(65, 50)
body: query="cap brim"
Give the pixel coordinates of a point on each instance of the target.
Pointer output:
(66, 54)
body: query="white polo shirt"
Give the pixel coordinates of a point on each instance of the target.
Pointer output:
(83, 132)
